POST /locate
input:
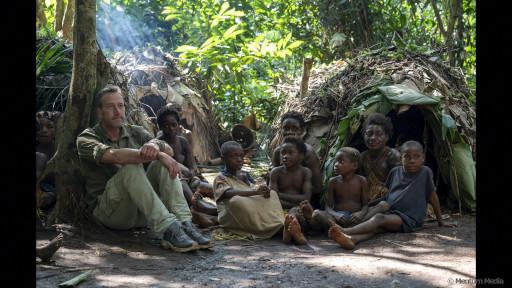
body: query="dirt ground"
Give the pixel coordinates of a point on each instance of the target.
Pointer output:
(432, 257)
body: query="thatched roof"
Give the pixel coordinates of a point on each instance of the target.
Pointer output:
(335, 88)
(342, 94)
(152, 71)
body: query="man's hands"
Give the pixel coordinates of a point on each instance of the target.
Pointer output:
(168, 162)
(149, 151)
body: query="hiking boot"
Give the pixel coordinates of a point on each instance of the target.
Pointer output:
(176, 239)
(192, 231)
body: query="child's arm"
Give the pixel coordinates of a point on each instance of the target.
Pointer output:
(329, 198)
(260, 190)
(434, 201)
(306, 184)
(189, 158)
(357, 217)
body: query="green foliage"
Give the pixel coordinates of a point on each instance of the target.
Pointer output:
(54, 64)
(410, 24)
(242, 50)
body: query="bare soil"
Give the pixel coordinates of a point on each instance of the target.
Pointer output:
(432, 257)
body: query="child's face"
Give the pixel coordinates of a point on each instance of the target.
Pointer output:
(170, 126)
(412, 160)
(291, 127)
(234, 160)
(343, 165)
(290, 155)
(375, 137)
(46, 132)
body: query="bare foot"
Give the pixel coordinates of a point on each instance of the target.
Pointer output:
(201, 219)
(307, 210)
(46, 252)
(336, 234)
(287, 236)
(296, 232)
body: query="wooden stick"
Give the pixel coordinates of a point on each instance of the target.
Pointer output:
(308, 63)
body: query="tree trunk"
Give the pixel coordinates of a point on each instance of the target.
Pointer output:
(40, 17)
(59, 14)
(67, 23)
(440, 24)
(69, 182)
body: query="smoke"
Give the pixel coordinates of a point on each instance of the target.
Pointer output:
(116, 31)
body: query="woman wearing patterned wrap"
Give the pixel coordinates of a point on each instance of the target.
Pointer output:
(379, 159)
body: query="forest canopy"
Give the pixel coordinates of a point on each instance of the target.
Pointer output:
(243, 49)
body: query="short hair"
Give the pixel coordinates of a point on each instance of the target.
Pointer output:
(294, 115)
(50, 115)
(167, 110)
(299, 144)
(411, 144)
(381, 120)
(226, 147)
(107, 90)
(353, 154)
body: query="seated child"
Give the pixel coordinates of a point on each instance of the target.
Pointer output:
(45, 150)
(411, 187)
(245, 208)
(168, 120)
(292, 124)
(347, 195)
(292, 182)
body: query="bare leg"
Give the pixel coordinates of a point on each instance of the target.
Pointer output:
(381, 207)
(388, 222)
(349, 241)
(307, 211)
(202, 206)
(203, 220)
(322, 219)
(187, 192)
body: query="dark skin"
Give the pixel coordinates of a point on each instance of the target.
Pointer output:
(291, 127)
(292, 181)
(412, 160)
(348, 191)
(182, 150)
(234, 160)
(46, 137)
(375, 139)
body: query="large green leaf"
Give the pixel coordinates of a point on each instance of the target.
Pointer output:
(403, 94)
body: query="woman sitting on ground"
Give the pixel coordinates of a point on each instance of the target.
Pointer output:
(168, 120)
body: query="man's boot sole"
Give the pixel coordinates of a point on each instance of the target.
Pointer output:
(205, 246)
(167, 245)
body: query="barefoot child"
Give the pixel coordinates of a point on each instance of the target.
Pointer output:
(292, 182)
(243, 207)
(347, 198)
(292, 124)
(411, 187)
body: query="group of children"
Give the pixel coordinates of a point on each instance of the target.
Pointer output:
(399, 202)
(379, 190)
